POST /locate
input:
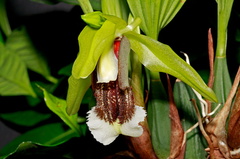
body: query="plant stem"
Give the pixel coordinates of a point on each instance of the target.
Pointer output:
(86, 6)
(224, 11)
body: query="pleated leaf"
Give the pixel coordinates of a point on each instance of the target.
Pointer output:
(195, 142)
(161, 58)
(222, 81)
(117, 8)
(21, 44)
(13, 75)
(158, 119)
(155, 14)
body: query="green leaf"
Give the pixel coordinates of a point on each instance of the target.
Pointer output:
(4, 23)
(58, 106)
(25, 118)
(13, 75)
(76, 91)
(155, 14)
(117, 8)
(21, 44)
(158, 119)
(92, 44)
(222, 81)
(159, 57)
(43, 135)
(195, 141)
(224, 11)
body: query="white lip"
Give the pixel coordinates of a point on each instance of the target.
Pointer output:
(106, 133)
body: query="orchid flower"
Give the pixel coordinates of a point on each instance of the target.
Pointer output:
(115, 112)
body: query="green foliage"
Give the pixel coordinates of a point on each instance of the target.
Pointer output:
(13, 76)
(50, 134)
(155, 15)
(58, 106)
(20, 43)
(158, 119)
(30, 117)
(159, 57)
(195, 142)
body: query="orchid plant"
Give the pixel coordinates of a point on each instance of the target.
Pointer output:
(119, 62)
(98, 52)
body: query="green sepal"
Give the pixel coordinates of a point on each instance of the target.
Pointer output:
(76, 91)
(92, 44)
(159, 57)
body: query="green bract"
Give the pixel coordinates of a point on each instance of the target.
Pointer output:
(94, 19)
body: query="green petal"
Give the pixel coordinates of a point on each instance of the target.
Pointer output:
(76, 91)
(161, 58)
(92, 45)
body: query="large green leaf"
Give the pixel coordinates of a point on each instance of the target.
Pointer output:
(92, 44)
(25, 118)
(222, 81)
(76, 91)
(195, 147)
(51, 134)
(117, 8)
(58, 106)
(13, 75)
(161, 58)
(158, 119)
(21, 44)
(155, 14)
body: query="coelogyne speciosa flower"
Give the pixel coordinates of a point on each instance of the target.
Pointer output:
(115, 112)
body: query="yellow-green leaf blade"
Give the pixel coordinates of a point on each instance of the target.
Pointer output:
(161, 58)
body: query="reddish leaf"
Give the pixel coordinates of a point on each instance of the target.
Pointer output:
(177, 132)
(234, 124)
